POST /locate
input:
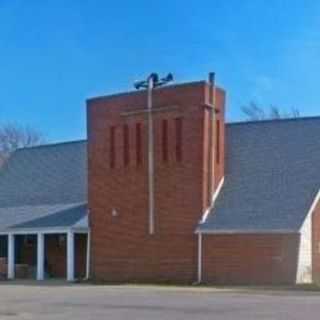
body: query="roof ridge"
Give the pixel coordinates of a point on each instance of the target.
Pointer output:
(248, 122)
(54, 144)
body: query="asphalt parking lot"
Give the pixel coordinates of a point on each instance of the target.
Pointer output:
(59, 301)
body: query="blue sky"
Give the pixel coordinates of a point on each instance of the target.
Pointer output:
(55, 54)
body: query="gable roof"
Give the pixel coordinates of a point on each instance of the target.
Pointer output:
(272, 176)
(44, 186)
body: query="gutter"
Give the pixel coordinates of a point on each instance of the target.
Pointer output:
(246, 231)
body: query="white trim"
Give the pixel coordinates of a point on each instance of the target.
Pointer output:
(199, 258)
(214, 197)
(11, 256)
(35, 231)
(304, 268)
(40, 256)
(213, 200)
(70, 256)
(52, 230)
(280, 231)
(313, 206)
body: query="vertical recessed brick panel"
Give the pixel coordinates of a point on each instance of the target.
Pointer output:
(178, 126)
(112, 153)
(220, 116)
(138, 144)
(126, 146)
(164, 141)
(218, 142)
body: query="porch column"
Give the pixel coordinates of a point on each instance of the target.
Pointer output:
(199, 257)
(11, 256)
(70, 256)
(88, 255)
(40, 256)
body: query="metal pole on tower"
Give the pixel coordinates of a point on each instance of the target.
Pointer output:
(150, 84)
(150, 156)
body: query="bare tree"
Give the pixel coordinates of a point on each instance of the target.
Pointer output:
(254, 112)
(13, 136)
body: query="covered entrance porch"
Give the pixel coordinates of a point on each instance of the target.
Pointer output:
(54, 245)
(45, 254)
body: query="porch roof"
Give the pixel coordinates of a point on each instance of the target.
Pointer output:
(57, 216)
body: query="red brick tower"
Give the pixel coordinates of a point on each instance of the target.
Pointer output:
(188, 136)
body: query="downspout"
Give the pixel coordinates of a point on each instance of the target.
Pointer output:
(199, 280)
(211, 140)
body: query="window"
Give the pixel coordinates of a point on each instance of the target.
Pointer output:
(217, 141)
(126, 146)
(165, 140)
(138, 144)
(112, 147)
(178, 127)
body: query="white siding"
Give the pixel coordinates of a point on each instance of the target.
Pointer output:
(304, 271)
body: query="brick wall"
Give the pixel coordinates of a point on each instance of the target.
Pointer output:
(250, 259)
(3, 268)
(80, 255)
(122, 249)
(56, 255)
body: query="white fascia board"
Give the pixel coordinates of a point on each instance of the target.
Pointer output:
(43, 230)
(304, 268)
(279, 231)
(213, 200)
(312, 208)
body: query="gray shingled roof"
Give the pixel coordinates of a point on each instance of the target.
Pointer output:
(272, 176)
(44, 187)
